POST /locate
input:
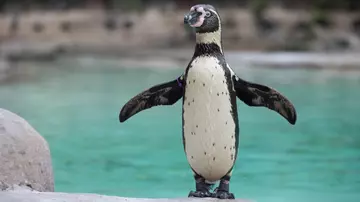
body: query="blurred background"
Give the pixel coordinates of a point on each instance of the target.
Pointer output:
(68, 67)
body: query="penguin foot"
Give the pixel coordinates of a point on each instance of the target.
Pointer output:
(222, 191)
(200, 194)
(202, 188)
(221, 194)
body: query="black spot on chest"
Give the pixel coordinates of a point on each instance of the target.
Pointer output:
(213, 50)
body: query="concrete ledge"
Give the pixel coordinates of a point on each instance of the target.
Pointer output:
(29, 196)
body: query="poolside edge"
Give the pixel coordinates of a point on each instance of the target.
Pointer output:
(30, 196)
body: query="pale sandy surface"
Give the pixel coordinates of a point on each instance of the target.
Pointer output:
(28, 196)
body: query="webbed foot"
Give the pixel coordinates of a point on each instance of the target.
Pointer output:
(200, 194)
(202, 188)
(221, 194)
(222, 191)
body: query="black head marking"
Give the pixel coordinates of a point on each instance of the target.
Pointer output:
(204, 18)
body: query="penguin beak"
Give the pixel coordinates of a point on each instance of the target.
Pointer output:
(192, 17)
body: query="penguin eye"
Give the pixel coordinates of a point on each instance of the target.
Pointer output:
(207, 14)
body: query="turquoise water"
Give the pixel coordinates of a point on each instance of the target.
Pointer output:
(74, 104)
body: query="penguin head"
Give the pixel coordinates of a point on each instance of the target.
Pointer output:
(204, 18)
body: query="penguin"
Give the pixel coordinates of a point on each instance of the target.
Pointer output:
(209, 89)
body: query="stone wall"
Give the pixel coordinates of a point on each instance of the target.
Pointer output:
(280, 29)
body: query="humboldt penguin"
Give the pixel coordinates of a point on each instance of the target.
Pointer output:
(209, 88)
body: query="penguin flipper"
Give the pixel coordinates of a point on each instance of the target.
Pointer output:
(162, 94)
(254, 94)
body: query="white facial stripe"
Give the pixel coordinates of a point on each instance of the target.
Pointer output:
(212, 11)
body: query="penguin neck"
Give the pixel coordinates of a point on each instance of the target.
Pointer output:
(209, 42)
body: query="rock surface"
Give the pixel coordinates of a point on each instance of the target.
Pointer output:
(24, 155)
(21, 196)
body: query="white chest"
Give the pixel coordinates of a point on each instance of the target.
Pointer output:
(209, 128)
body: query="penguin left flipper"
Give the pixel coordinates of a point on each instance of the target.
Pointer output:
(254, 94)
(162, 94)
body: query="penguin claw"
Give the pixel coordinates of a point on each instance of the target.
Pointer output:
(223, 195)
(200, 194)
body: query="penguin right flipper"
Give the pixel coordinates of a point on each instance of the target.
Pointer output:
(162, 94)
(254, 94)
